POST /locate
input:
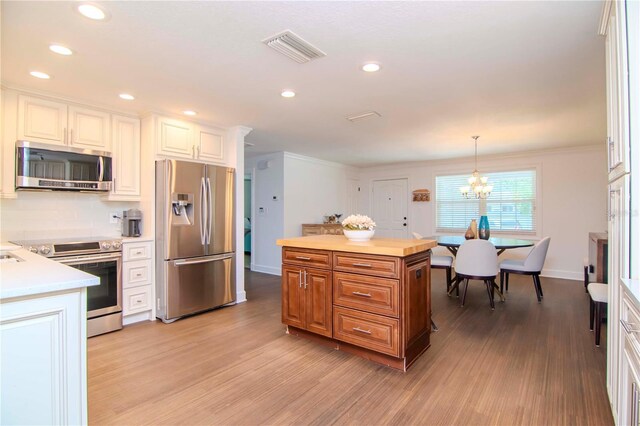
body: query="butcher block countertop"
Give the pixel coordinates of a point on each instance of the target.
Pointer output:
(399, 247)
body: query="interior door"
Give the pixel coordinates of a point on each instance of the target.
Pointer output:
(390, 200)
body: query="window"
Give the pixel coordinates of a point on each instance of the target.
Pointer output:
(511, 207)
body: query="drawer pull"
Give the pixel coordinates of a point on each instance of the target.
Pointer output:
(628, 327)
(358, 329)
(363, 265)
(357, 293)
(303, 258)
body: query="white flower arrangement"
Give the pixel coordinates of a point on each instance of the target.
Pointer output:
(358, 222)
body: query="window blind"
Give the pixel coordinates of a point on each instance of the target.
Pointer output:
(511, 207)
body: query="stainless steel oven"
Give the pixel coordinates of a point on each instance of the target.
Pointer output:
(99, 257)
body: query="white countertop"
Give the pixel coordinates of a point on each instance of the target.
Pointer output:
(37, 274)
(633, 288)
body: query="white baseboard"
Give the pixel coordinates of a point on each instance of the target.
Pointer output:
(565, 275)
(241, 297)
(139, 317)
(266, 269)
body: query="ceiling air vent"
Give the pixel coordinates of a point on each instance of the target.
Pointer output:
(293, 47)
(363, 115)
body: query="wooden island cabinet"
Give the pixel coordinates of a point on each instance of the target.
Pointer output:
(372, 299)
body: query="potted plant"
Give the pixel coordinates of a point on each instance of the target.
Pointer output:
(357, 227)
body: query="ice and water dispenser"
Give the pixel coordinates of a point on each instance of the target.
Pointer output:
(182, 206)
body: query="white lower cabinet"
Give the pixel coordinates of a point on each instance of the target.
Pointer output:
(137, 281)
(44, 359)
(629, 403)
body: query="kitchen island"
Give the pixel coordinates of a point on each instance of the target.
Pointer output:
(372, 299)
(43, 329)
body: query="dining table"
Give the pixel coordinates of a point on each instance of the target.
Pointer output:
(453, 242)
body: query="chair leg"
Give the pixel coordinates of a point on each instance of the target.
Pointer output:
(456, 286)
(586, 279)
(506, 281)
(501, 281)
(489, 286)
(448, 279)
(539, 285)
(598, 321)
(535, 286)
(591, 313)
(464, 293)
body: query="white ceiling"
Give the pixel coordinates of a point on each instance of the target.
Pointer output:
(522, 75)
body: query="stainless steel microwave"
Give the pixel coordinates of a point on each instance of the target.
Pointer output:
(51, 167)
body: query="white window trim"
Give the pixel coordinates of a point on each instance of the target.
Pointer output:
(461, 170)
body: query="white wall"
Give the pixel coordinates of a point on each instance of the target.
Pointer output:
(313, 188)
(267, 227)
(305, 189)
(38, 215)
(573, 198)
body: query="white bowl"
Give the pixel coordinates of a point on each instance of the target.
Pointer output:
(358, 235)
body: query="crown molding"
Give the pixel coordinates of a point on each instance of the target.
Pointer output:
(604, 17)
(317, 161)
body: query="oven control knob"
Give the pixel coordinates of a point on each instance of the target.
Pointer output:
(45, 250)
(106, 245)
(33, 249)
(117, 245)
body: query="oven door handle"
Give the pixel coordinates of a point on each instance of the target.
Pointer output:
(87, 259)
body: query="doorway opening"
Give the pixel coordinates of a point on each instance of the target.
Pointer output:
(248, 222)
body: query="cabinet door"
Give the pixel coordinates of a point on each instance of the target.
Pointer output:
(175, 138)
(318, 291)
(209, 144)
(126, 157)
(89, 128)
(40, 120)
(292, 297)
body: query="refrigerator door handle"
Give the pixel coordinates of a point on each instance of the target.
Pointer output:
(203, 212)
(210, 208)
(202, 260)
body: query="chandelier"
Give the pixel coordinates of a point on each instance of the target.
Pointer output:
(478, 186)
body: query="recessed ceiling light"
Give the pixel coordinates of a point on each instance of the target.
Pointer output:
(92, 11)
(60, 50)
(39, 74)
(126, 96)
(188, 112)
(371, 67)
(288, 93)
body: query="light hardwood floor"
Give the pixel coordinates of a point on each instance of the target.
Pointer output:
(524, 363)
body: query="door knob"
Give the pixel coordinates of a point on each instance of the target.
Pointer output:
(404, 224)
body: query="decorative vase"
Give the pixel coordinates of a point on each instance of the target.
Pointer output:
(483, 230)
(469, 235)
(358, 234)
(474, 228)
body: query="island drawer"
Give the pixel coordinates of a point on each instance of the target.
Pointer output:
(371, 294)
(305, 257)
(380, 266)
(375, 332)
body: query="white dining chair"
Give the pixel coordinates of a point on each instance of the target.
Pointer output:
(531, 265)
(477, 260)
(440, 262)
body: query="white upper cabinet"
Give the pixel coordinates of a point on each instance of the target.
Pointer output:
(175, 138)
(182, 139)
(89, 128)
(617, 90)
(126, 158)
(209, 143)
(42, 120)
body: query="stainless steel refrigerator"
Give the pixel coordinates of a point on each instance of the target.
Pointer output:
(195, 238)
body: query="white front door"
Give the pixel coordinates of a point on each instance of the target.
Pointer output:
(390, 200)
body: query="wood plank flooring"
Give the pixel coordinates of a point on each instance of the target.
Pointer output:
(524, 363)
